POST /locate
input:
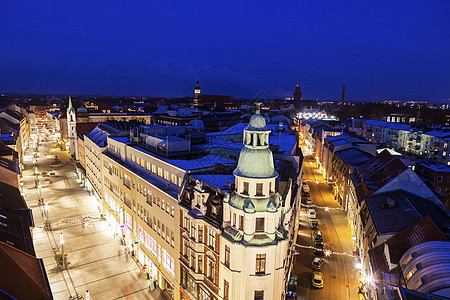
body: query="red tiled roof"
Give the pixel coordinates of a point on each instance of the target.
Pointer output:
(82, 128)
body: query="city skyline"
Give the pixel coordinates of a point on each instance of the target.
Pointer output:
(384, 51)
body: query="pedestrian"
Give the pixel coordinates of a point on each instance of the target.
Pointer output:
(86, 295)
(119, 252)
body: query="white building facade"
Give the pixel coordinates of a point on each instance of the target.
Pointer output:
(254, 241)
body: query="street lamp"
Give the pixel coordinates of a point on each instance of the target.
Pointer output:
(40, 199)
(61, 241)
(47, 225)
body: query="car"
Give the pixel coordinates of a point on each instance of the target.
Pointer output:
(317, 236)
(317, 279)
(305, 194)
(318, 249)
(305, 188)
(292, 287)
(314, 224)
(308, 200)
(303, 181)
(311, 213)
(317, 263)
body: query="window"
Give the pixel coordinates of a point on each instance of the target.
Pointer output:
(260, 263)
(259, 295)
(227, 256)
(160, 172)
(186, 221)
(200, 234)
(259, 189)
(241, 222)
(245, 191)
(163, 204)
(172, 212)
(200, 263)
(234, 220)
(193, 265)
(149, 197)
(270, 187)
(153, 168)
(211, 269)
(439, 178)
(149, 166)
(226, 290)
(185, 248)
(212, 239)
(166, 175)
(193, 226)
(173, 179)
(259, 225)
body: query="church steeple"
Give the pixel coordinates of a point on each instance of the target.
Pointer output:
(197, 90)
(70, 109)
(72, 130)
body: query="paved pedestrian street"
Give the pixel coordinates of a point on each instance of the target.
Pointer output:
(96, 259)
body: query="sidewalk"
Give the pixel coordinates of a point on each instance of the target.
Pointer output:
(97, 261)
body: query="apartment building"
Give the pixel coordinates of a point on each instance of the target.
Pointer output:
(141, 192)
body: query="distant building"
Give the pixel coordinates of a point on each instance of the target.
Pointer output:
(211, 102)
(400, 118)
(438, 175)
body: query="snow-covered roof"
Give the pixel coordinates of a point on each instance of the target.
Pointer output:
(397, 126)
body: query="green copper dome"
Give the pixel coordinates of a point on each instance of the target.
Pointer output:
(257, 123)
(255, 163)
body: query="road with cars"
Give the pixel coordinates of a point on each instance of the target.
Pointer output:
(339, 272)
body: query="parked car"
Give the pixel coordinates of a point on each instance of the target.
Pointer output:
(292, 288)
(317, 236)
(314, 224)
(317, 263)
(305, 188)
(317, 279)
(308, 200)
(311, 213)
(318, 249)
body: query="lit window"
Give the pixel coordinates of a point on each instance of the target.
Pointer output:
(260, 263)
(259, 295)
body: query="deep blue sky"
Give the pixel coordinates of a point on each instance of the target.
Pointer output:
(380, 49)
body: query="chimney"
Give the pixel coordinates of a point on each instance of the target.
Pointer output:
(343, 95)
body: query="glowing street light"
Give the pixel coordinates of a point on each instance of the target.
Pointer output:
(61, 242)
(328, 253)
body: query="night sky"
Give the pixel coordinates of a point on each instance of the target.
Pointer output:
(378, 49)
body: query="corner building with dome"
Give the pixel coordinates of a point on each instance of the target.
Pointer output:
(258, 223)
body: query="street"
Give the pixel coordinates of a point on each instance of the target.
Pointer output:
(97, 261)
(339, 268)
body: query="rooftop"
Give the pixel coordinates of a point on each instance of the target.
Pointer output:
(353, 156)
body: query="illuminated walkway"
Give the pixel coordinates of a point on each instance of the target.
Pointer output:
(97, 261)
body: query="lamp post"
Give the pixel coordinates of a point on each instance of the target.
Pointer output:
(40, 192)
(47, 225)
(61, 241)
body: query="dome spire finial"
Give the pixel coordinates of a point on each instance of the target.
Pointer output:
(258, 107)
